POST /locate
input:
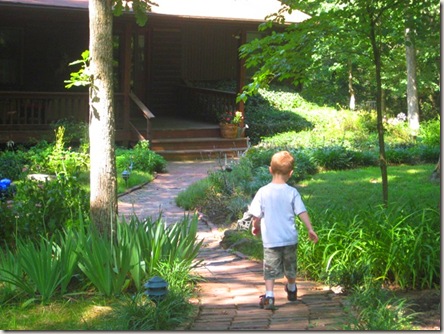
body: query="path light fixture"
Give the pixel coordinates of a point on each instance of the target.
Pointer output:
(125, 176)
(156, 289)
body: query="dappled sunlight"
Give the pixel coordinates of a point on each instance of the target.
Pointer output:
(95, 311)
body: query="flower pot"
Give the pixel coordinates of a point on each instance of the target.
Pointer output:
(228, 130)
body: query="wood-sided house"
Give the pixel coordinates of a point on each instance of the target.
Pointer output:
(158, 68)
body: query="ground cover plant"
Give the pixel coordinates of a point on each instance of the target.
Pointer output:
(365, 246)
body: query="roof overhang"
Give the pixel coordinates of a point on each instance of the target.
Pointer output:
(235, 10)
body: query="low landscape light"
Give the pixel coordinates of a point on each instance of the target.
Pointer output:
(125, 176)
(156, 289)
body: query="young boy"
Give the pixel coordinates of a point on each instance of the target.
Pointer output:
(274, 207)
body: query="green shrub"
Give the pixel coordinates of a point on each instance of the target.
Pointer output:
(268, 122)
(11, 164)
(398, 155)
(45, 207)
(76, 131)
(364, 158)
(194, 194)
(140, 157)
(426, 153)
(430, 133)
(332, 158)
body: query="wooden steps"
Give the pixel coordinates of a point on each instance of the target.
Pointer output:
(199, 148)
(178, 139)
(194, 144)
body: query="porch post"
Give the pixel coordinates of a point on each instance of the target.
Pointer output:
(241, 74)
(126, 77)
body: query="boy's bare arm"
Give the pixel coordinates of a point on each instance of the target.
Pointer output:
(256, 229)
(306, 220)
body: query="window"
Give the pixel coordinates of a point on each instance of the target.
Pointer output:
(11, 55)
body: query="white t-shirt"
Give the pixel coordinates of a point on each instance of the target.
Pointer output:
(276, 205)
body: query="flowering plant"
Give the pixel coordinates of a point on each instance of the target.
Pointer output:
(231, 117)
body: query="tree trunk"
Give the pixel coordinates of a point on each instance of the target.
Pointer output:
(350, 88)
(412, 92)
(380, 126)
(103, 182)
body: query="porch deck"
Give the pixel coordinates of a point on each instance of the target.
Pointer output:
(175, 123)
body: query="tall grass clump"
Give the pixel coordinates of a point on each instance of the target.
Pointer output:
(393, 247)
(44, 268)
(372, 308)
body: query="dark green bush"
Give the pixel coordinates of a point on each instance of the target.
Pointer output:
(11, 164)
(427, 154)
(140, 157)
(332, 158)
(45, 207)
(400, 155)
(265, 122)
(364, 158)
(304, 165)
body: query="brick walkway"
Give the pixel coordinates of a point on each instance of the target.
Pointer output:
(229, 296)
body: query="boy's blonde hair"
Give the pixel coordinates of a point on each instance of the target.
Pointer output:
(282, 163)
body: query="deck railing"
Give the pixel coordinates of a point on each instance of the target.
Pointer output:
(205, 104)
(41, 108)
(36, 109)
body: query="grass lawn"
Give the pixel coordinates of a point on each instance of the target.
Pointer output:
(67, 314)
(361, 188)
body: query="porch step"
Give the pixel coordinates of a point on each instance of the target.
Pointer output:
(183, 139)
(197, 143)
(179, 133)
(198, 147)
(179, 155)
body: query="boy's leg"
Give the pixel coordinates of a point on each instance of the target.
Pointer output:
(267, 300)
(269, 285)
(290, 259)
(272, 270)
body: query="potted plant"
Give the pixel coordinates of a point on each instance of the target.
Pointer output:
(229, 123)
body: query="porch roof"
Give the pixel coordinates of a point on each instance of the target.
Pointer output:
(238, 10)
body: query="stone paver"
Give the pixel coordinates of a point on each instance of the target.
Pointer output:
(229, 294)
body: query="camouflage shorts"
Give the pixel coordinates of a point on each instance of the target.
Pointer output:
(280, 261)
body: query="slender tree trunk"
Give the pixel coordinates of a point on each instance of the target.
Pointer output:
(103, 182)
(412, 91)
(380, 126)
(350, 87)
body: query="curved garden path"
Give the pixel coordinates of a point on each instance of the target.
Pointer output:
(228, 298)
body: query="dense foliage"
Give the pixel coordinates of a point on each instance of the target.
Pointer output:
(330, 57)
(51, 182)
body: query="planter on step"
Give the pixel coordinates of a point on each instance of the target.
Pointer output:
(228, 130)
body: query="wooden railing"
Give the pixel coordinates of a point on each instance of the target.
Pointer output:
(205, 104)
(147, 114)
(41, 108)
(37, 109)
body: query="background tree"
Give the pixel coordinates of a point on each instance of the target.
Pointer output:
(346, 47)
